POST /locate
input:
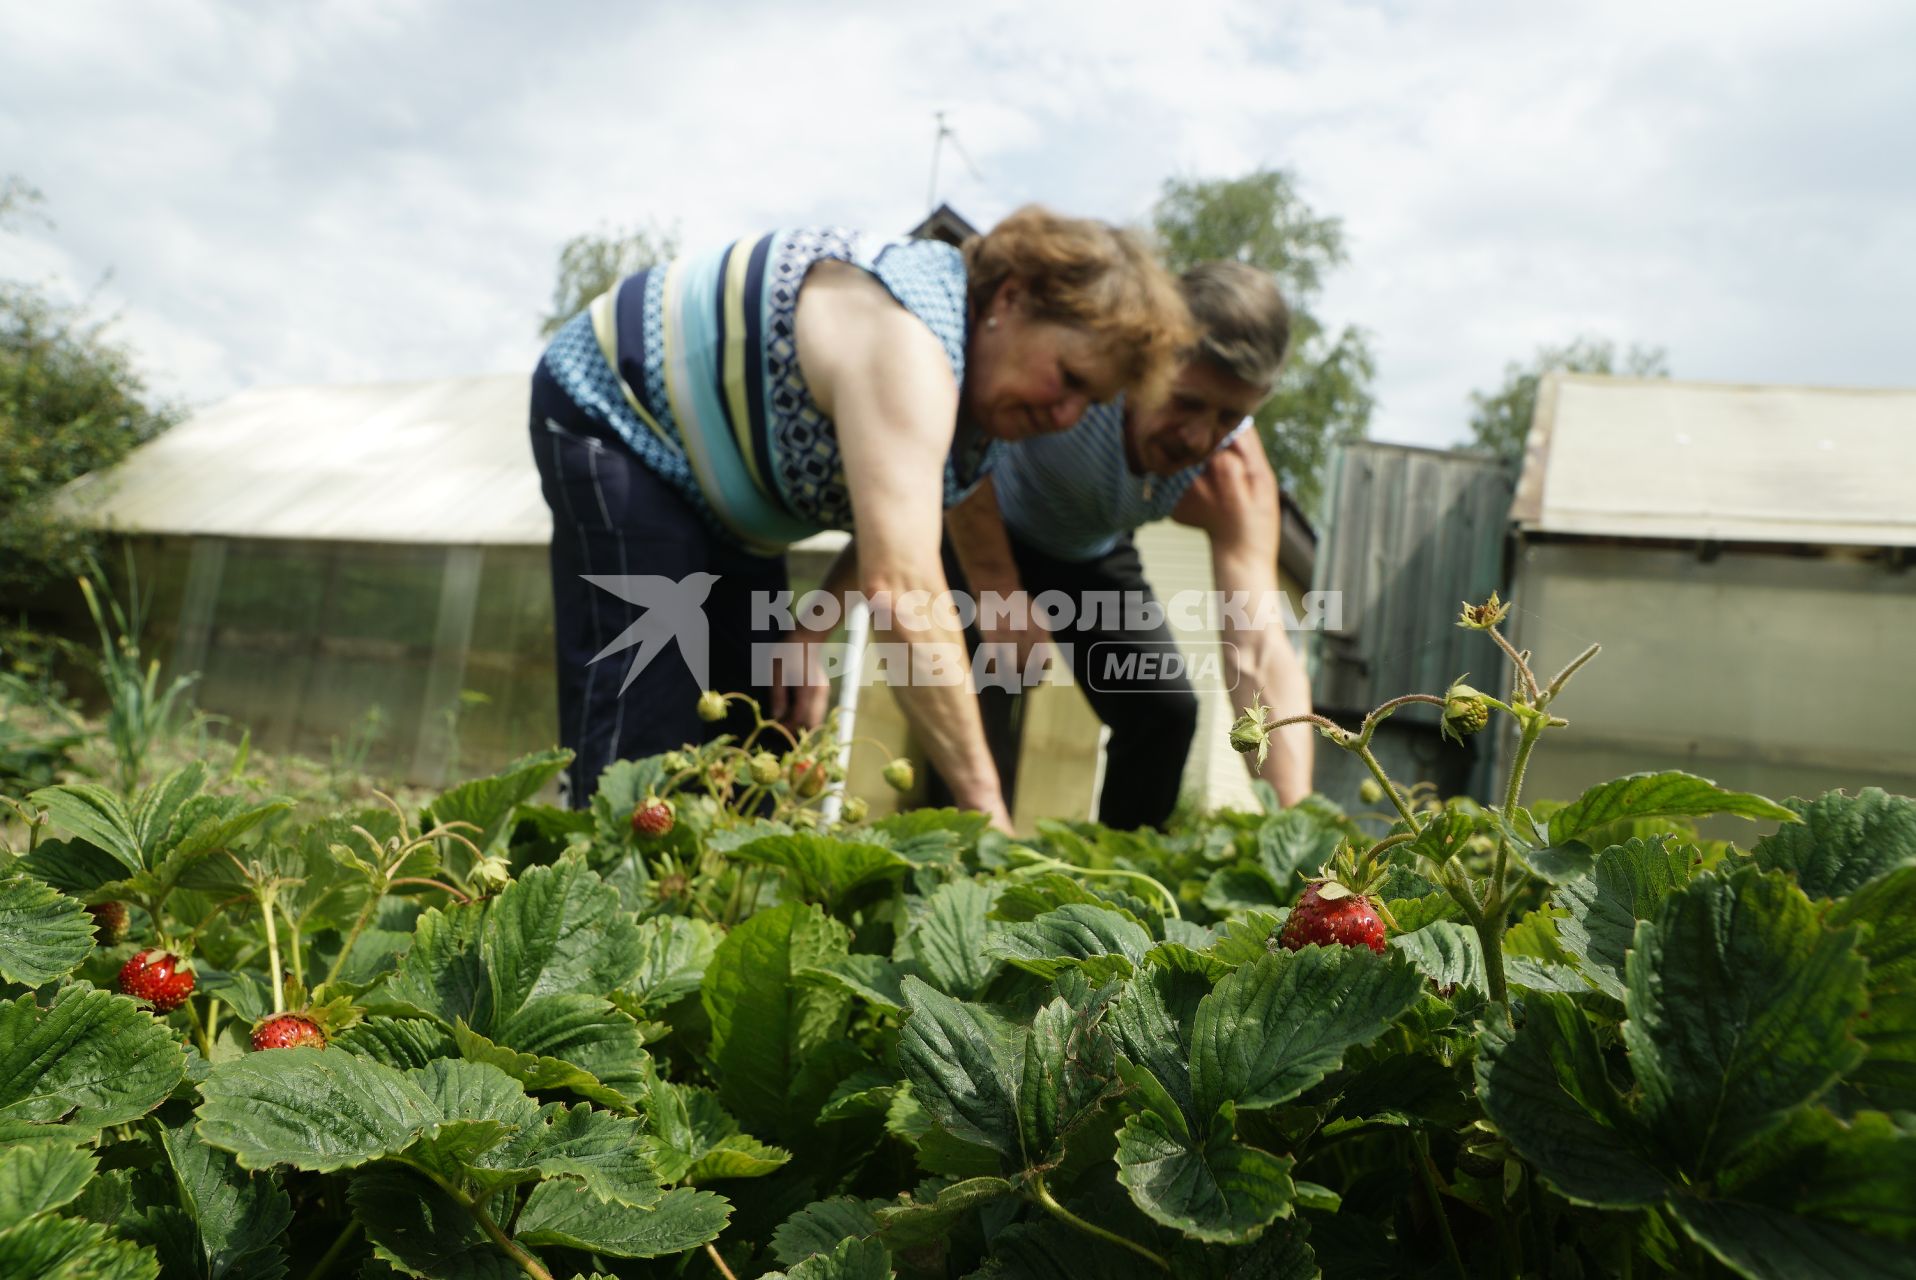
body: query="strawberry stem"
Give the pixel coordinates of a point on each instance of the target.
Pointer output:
(1044, 1197)
(267, 896)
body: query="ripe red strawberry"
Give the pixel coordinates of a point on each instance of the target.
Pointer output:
(288, 1031)
(653, 817)
(808, 778)
(109, 921)
(1348, 921)
(156, 977)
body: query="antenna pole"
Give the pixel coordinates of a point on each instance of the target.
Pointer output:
(937, 142)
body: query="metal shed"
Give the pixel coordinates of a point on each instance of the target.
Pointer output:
(1743, 554)
(1410, 534)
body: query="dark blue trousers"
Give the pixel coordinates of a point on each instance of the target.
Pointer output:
(611, 514)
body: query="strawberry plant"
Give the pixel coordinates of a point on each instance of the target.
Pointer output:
(488, 1038)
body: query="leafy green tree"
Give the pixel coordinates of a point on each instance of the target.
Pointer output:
(1324, 396)
(590, 264)
(1500, 419)
(71, 402)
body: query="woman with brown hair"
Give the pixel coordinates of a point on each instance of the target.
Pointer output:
(704, 414)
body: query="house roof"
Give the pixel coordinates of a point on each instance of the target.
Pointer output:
(1659, 459)
(944, 223)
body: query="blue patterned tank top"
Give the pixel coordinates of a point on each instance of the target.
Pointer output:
(694, 364)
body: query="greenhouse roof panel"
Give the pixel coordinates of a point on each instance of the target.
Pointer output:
(1655, 458)
(444, 461)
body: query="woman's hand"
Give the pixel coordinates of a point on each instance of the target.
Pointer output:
(885, 380)
(802, 706)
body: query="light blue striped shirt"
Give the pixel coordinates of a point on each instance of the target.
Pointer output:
(1073, 495)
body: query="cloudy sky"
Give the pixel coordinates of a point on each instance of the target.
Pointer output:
(377, 189)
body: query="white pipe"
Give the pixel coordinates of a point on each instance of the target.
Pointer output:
(858, 627)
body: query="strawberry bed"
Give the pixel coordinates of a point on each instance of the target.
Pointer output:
(701, 1030)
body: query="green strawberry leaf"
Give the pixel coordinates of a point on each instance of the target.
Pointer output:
(90, 1060)
(820, 1226)
(1843, 841)
(823, 869)
(673, 954)
(37, 1177)
(1212, 1187)
(1670, 794)
(76, 867)
(488, 803)
(1543, 1086)
(1447, 953)
(565, 1215)
(1077, 935)
(949, 938)
(1152, 1019)
(916, 1224)
(397, 1042)
(43, 933)
(56, 1248)
(1818, 1198)
(313, 1109)
(1887, 907)
(421, 1229)
(1068, 1066)
(1740, 1003)
(239, 1218)
(963, 1062)
(848, 1260)
(766, 1020)
(1278, 1025)
(1628, 883)
(537, 1073)
(557, 930)
(97, 817)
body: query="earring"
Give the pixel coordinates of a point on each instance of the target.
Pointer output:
(991, 322)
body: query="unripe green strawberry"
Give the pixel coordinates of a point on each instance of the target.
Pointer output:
(491, 874)
(899, 775)
(765, 768)
(109, 921)
(1465, 711)
(855, 809)
(711, 706)
(1345, 919)
(652, 817)
(1369, 792)
(158, 978)
(288, 1031)
(674, 762)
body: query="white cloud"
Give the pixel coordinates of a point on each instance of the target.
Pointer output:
(362, 191)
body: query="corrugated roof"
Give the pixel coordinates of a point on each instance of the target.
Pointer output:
(442, 462)
(1654, 458)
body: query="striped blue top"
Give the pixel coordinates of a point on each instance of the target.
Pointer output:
(694, 364)
(1073, 495)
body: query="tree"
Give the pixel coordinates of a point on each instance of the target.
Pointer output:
(592, 263)
(1500, 420)
(1324, 395)
(70, 402)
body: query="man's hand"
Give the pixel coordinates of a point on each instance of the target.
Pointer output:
(1234, 499)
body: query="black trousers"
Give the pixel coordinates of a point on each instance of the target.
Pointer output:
(1152, 714)
(612, 515)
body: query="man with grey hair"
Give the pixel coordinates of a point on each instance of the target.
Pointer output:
(1059, 513)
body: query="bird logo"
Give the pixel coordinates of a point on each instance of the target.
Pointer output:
(674, 610)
